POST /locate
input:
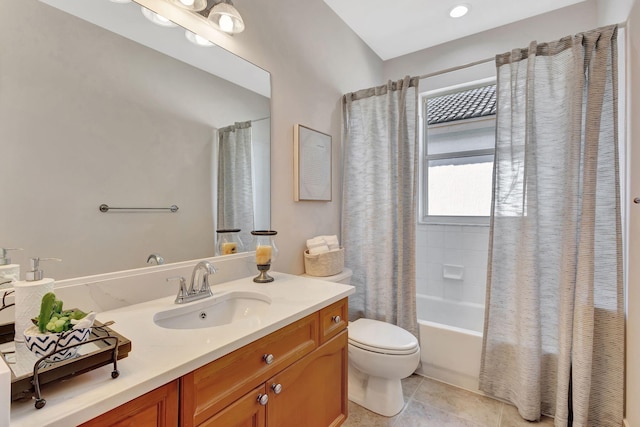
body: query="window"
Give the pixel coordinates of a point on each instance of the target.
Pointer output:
(457, 166)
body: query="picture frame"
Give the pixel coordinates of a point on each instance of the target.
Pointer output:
(312, 164)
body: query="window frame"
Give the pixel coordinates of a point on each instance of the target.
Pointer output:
(423, 217)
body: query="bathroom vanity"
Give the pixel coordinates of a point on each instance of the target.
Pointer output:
(285, 366)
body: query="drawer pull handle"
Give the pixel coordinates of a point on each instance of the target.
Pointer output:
(336, 319)
(268, 359)
(263, 399)
(277, 388)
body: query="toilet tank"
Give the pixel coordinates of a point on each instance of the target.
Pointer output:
(343, 277)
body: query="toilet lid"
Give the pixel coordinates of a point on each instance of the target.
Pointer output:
(381, 337)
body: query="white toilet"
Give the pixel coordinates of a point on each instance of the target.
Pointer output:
(380, 355)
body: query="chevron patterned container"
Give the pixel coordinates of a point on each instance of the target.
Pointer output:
(44, 344)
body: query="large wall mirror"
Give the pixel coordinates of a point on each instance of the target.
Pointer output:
(100, 106)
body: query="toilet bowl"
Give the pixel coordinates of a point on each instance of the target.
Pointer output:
(380, 355)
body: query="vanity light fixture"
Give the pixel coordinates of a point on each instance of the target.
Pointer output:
(197, 39)
(459, 11)
(224, 17)
(193, 5)
(156, 18)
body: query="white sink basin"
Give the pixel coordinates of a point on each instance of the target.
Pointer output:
(217, 310)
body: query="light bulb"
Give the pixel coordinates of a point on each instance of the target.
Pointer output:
(197, 39)
(156, 18)
(187, 2)
(459, 11)
(226, 23)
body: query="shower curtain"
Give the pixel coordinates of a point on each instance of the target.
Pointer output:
(379, 201)
(554, 325)
(235, 180)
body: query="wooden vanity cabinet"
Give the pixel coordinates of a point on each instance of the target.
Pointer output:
(293, 377)
(158, 408)
(305, 383)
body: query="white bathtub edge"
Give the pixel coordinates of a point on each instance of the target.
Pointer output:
(447, 376)
(449, 354)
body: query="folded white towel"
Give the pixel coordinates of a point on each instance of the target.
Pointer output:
(317, 245)
(332, 241)
(319, 250)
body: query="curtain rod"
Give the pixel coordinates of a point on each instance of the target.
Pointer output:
(262, 118)
(456, 68)
(474, 63)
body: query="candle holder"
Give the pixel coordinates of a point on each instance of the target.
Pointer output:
(266, 252)
(229, 242)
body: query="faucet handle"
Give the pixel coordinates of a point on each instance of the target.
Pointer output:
(182, 291)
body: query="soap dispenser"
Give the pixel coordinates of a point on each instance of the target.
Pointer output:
(28, 296)
(9, 273)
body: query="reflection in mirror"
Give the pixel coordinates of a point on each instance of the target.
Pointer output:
(89, 117)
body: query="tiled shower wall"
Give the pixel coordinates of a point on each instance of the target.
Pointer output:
(456, 248)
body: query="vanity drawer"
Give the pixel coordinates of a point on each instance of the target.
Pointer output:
(333, 319)
(212, 387)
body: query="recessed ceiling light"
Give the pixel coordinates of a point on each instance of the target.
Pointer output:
(459, 11)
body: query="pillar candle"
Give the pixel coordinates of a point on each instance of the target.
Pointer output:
(229, 248)
(263, 254)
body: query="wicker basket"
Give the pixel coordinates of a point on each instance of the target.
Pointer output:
(326, 264)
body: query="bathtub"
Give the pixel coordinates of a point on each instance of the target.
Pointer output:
(450, 340)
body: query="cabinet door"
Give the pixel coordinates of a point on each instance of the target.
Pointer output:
(244, 412)
(156, 408)
(312, 391)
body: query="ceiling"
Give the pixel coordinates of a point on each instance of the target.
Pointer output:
(397, 27)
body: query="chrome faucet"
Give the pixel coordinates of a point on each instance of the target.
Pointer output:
(200, 276)
(155, 258)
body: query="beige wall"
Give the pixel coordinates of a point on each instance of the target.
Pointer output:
(313, 58)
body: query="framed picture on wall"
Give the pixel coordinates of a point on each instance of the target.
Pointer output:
(312, 164)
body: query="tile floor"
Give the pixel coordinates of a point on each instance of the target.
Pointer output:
(432, 403)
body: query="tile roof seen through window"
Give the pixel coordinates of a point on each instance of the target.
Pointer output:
(467, 104)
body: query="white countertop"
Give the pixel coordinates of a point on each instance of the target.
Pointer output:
(160, 355)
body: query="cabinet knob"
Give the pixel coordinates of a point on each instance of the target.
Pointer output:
(336, 319)
(263, 399)
(277, 388)
(268, 359)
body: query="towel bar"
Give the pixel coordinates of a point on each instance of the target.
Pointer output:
(105, 208)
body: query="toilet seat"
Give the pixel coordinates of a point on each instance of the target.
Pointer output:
(381, 337)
